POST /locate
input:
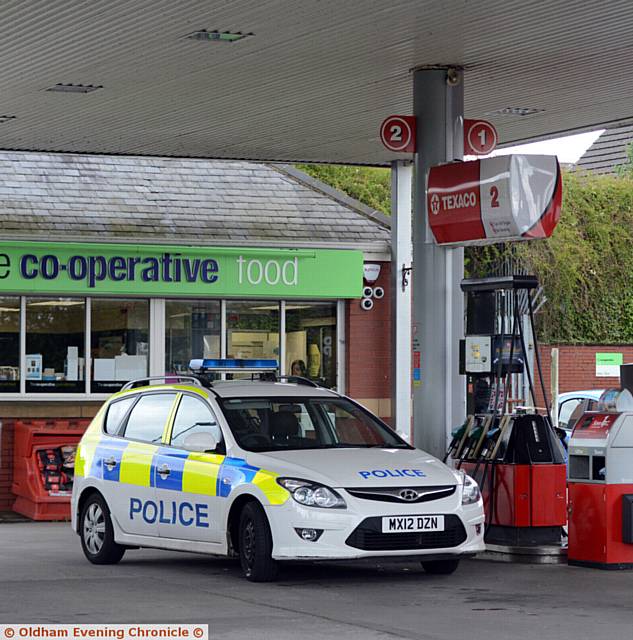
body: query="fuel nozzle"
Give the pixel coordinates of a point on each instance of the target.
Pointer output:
(457, 433)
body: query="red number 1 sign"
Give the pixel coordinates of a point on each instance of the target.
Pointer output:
(480, 138)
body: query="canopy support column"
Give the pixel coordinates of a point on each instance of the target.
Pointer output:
(438, 304)
(401, 297)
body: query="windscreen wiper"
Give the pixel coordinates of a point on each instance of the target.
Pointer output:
(382, 446)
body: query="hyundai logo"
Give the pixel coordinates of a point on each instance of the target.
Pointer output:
(409, 495)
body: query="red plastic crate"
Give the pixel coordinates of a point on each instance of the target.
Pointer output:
(34, 500)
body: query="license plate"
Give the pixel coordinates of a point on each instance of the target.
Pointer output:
(404, 524)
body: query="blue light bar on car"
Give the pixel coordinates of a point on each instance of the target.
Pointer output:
(230, 364)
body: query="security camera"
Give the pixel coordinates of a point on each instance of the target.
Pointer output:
(453, 77)
(368, 292)
(366, 304)
(379, 292)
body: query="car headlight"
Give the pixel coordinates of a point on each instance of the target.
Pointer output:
(470, 491)
(312, 494)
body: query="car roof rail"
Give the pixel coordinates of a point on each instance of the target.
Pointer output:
(299, 380)
(167, 379)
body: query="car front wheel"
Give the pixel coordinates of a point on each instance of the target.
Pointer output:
(97, 533)
(440, 567)
(256, 544)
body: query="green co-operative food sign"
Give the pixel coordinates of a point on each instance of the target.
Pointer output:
(160, 270)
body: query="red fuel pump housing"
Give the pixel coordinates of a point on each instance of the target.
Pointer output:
(527, 503)
(601, 491)
(524, 486)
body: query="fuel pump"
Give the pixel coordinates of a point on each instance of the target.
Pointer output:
(601, 482)
(515, 455)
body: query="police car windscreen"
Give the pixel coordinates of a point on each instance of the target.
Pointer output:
(263, 424)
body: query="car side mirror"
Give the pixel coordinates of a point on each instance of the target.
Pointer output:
(201, 442)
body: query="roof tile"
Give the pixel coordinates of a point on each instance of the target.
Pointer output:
(110, 197)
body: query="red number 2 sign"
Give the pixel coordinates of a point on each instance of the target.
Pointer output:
(397, 133)
(494, 197)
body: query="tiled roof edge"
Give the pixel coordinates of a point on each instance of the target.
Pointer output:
(195, 241)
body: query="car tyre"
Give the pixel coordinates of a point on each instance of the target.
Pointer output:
(440, 567)
(256, 545)
(97, 533)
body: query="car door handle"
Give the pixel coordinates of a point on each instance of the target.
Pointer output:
(110, 463)
(163, 470)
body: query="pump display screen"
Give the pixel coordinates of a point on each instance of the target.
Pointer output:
(596, 425)
(504, 349)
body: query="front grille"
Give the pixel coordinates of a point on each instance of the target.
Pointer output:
(368, 536)
(392, 494)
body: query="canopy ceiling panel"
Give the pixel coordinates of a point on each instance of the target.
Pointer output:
(312, 83)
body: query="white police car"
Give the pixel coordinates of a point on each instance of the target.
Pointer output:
(268, 471)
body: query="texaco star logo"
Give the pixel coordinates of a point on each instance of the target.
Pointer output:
(435, 204)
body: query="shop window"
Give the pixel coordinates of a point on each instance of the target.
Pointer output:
(192, 330)
(149, 416)
(252, 330)
(9, 345)
(119, 342)
(55, 337)
(311, 341)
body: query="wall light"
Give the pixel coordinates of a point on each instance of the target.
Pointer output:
(75, 88)
(514, 111)
(217, 36)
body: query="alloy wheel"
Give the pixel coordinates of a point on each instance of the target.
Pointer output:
(94, 528)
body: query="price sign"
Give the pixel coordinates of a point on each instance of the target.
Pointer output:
(398, 133)
(480, 138)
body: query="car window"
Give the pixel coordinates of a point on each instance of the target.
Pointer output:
(148, 417)
(193, 416)
(264, 424)
(350, 425)
(566, 409)
(579, 410)
(116, 412)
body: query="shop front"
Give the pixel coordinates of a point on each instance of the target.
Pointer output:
(79, 320)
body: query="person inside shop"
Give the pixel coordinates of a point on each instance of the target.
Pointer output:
(298, 368)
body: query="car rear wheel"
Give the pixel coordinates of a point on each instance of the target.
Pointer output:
(440, 567)
(256, 545)
(97, 533)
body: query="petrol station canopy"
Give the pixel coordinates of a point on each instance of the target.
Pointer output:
(309, 81)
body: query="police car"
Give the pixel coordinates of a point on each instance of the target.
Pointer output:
(267, 471)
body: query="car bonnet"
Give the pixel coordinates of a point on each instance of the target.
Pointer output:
(357, 467)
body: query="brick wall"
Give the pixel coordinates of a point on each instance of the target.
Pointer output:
(368, 350)
(6, 464)
(577, 367)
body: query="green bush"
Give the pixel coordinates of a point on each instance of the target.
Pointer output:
(586, 267)
(369, 185)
